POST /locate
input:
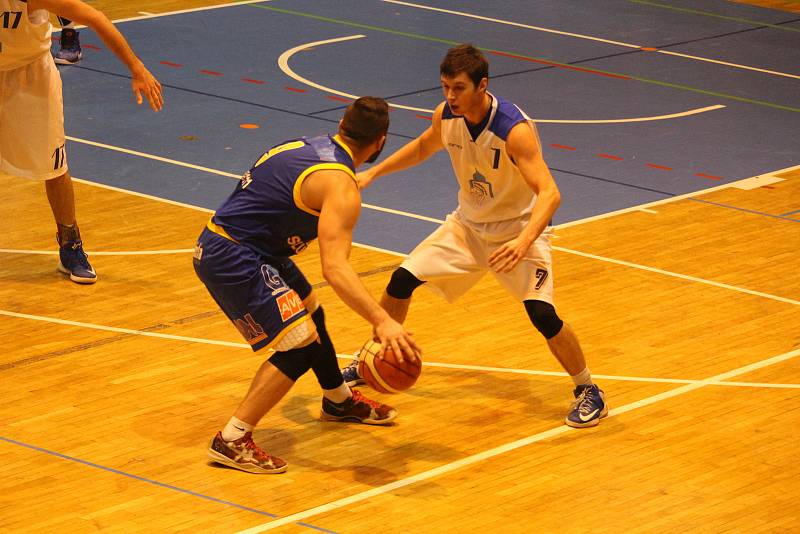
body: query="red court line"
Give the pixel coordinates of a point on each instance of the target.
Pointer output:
(609, 156)
(250, 80)
(654, 166)
(92, 47)
(709, 176)
(171, 64)
(424, 117)
(211, 72)
(561, 65)
(337, 98)
(295, 89)
(565, 147)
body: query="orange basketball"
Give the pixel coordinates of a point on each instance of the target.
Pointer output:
(386, 375)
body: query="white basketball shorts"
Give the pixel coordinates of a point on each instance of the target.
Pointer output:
(455, 256)
(32, 121)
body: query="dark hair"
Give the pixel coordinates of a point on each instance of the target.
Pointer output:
(365, 120)
(465, 58)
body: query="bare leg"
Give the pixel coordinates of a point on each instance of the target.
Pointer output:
(567, 350)
(62, 199)
(268, 387)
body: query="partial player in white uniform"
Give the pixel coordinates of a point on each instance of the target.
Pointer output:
(506, 201)
(32, 114)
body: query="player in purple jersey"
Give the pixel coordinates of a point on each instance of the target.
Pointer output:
(298, 191)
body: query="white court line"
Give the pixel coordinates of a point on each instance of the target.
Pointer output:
(508, 447)
(283, 63)
(349, 357)
(153, 157)
(121, 330)
(678, 275)
(589, 37)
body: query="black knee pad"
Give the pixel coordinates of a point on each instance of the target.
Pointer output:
(544, 318)
(295, 362)
(402, 284)
(324, 364)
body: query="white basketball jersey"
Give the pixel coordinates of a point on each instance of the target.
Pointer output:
(23, 36)
(491, 187)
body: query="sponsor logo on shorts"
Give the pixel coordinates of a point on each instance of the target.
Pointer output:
(297, 244)
(273, 280)
(289, 304)
(251, 331)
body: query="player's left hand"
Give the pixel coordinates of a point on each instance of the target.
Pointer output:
(142, 82)
(506, 258)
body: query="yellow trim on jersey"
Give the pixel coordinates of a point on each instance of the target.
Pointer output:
(341, 143)
(278, 149)
(219, 230)
(318, 167)
(285, 331)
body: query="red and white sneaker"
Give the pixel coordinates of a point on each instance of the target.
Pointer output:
(244, 454)
(358, 409)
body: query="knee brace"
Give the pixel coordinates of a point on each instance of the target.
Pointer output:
(544, 318)
(325, 365)
(295, 362)
(402, 284)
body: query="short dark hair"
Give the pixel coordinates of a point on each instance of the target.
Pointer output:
(465, 58)
(365, 120)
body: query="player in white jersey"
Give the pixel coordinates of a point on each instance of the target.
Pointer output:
(506, 201)
(32, 114)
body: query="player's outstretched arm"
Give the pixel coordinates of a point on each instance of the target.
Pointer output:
(413, 153)
(340, 207)
(523, 146)
(142, 81)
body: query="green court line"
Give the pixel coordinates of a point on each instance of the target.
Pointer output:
(716, 15)
(447, 41)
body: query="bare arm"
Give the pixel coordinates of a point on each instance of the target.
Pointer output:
(340, 206)
(524, 148)
(142, 82)
(413, 153)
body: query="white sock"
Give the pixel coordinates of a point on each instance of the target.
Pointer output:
(235, 429)
(338, 395)
(584, 378)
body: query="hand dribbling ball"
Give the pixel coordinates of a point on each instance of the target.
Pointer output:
(386, 375)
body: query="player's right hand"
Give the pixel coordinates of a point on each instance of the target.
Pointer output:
(392, 334)
(143, 82)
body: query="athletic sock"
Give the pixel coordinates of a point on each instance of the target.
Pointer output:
(235, 429)
(339, 394)
(584, 378)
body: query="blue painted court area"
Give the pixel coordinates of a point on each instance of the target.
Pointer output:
(220, 70)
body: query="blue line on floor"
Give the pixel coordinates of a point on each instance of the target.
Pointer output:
(150, 481)
(745, 210)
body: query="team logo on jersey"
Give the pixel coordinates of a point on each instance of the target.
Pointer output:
(454, 145)
(246, 179)
(250, 329)
(273, 280)
(289, 304)
(480, 188)
(296, 244)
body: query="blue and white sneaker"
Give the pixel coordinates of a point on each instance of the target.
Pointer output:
(75, 263)
(589, 407)
(69, 52)
(351, 376)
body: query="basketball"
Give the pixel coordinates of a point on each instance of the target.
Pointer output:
(386, 375)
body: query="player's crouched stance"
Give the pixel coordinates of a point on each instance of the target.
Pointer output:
(295, 192)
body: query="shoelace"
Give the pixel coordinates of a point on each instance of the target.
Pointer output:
(359, 397)
(258, 451)
(584, 403)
